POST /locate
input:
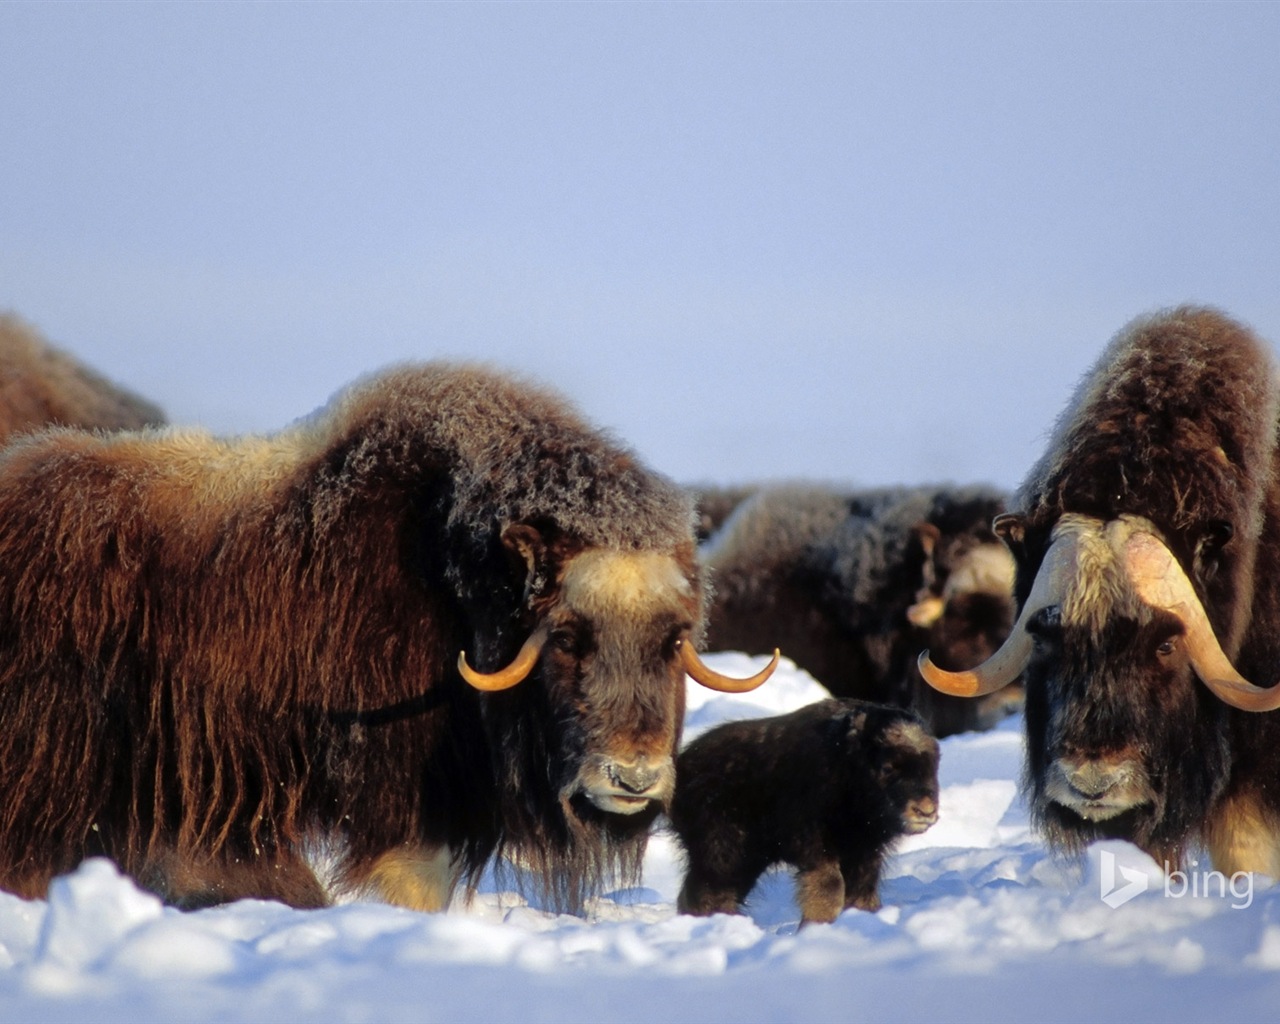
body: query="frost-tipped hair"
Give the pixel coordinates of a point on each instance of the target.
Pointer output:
(213, 651)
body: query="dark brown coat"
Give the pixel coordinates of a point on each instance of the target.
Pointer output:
(826, 789)
(224, 662)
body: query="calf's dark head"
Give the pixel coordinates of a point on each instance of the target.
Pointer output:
(904, 761)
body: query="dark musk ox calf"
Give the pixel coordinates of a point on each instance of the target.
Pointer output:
(220, 658)
(1147, 540)
(42, 385)
(826, 789)
(854, 585)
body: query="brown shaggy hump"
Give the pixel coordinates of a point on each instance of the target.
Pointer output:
(41, 385)
(1176, 422)
(215, 653)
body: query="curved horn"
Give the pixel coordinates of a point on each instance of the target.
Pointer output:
(1161, 582)
(713, 680)
(1006, 664)
(513, 674)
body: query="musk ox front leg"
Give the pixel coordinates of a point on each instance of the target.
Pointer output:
(413, 876)
(1243, 834)
(862, 883)
(703, 896)
(193, 882)
(820, 891)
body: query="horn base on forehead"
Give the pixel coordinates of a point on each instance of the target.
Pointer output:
(700, 672)
(513, 674)
(1160, 582)
(1003, 667)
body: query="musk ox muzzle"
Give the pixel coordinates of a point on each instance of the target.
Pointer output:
(625, 786)
(1101, 787)
(1150, 573)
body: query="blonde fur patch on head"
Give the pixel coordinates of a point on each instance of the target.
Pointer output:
(601, 583)
(1099, 587)
(910, 736)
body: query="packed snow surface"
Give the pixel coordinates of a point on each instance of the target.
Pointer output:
(979, 923)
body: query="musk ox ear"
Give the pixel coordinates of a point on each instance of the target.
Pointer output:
(531, 550)
(1012, 529)
(1211, 539)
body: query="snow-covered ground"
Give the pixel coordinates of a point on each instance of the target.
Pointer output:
(979, 923)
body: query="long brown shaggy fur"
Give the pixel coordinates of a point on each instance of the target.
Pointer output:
(1176, 425)
(213, 652)
(42, 385)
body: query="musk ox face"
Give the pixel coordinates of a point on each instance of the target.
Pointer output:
(905, 759)
(962, 616)
(1110, 716)
(965, 610)
(1114, 702)
(1114, 644)
(612, 665)
(591, 710)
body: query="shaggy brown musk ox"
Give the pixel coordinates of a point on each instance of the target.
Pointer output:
(42, 385)
(216, 656)
(1147, 540)
(853, 585)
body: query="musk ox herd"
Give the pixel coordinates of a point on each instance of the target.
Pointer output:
(853, 585)
(445, 623)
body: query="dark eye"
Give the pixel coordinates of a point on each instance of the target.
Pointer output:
(564, 640)
(1045, 626)
(1167, 647)
(1217, 534)
(675, 638)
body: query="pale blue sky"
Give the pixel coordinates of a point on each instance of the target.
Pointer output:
(869, 243)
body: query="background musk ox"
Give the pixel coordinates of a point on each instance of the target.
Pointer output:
(40, 385)
(854, 585)
(218, 656)
(826, 789)
(1148, 548)
(715, 505)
